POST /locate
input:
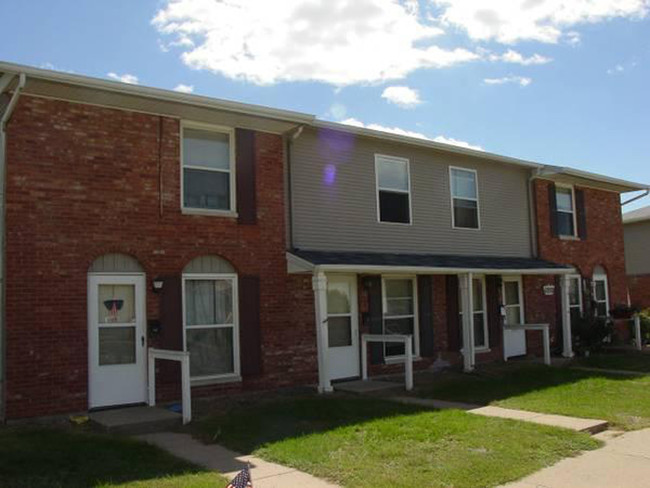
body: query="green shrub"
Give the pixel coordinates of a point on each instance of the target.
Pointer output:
(589, 333)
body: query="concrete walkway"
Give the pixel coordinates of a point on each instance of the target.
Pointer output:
(624, 462)
(229, 463)
(592, 426)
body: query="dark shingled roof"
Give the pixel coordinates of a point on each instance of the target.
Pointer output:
(425, 260)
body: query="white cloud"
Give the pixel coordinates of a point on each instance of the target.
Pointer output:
(619, 68)
(337, 111)
(403, 132)
(184, 88)
(512, 56)
(520, 80)
(403, 96)
(573, 38)
(125, 78)
(341, 42)
(510, 21)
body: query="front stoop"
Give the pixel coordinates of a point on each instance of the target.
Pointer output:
(135, 420)
(368, 387)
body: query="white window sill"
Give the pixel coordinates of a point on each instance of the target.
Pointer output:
(478, 350)
(204, 211)
(569, 238)
(399, 359)
(232, 378)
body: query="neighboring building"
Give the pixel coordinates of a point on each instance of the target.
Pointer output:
(264, 242)
(636, 226)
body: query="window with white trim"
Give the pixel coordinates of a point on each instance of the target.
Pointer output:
(400, 313)
(208, 162)
(479, 312)
(464, 198)
(600, 292)
(210, 319)
(393, 189)
(566, 213)
(574, 297)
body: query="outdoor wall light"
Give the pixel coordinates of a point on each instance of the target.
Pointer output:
(157, 284)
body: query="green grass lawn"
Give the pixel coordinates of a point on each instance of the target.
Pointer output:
(365, 442)
(622, 400)
(36, 458)
(628, 361)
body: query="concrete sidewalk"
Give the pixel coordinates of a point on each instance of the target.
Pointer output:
(593, 426)
(624, 462)
(229, 463)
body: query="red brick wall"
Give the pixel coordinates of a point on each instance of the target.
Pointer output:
(603, 245)
(84, 181)
(639, 286)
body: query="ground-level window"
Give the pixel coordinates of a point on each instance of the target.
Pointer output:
(574, 297)
(479, 312)
(600, 292)
(399, 307)
(393, 189)
(211, 324)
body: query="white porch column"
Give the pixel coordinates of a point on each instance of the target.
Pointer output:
(567, 350)
(319, 285)
(637, 332)
(466, 303)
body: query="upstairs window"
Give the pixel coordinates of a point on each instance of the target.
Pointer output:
(208, 176)
(393, 189)
(566, 214)
(464, 197)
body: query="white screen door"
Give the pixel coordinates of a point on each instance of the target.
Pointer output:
(117, 372)
(514, 341)
(342, 328)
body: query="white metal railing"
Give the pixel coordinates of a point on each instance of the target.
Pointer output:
(184, 358)
(545, 337)
(407, 340)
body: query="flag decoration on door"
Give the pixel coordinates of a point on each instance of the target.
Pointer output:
(242, 480)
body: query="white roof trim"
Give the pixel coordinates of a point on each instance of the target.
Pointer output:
(157, 93)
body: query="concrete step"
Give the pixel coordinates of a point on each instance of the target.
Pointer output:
(368, 387)
(135, 420)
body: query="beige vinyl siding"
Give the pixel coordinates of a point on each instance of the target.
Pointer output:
(637, 247)
(342, 214)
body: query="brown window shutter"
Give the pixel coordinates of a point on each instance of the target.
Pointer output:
(454, 337)
(581, 215)
(552, 207)
(171, 314)
(374, 318)
(425, 315)
(250, 333)
(245, 170)
(495, 323)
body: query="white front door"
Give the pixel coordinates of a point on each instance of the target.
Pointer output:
(117, 373)
(342, 327)
(514, 341)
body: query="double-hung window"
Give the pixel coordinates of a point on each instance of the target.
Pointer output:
(464, 198)
(479, 312)
(211, 325)
(400, 313)
(393, 189)
(208, 169)
(574, 297)
(566, 214)
(600, 292)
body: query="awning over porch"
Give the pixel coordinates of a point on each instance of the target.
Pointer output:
(369, 262)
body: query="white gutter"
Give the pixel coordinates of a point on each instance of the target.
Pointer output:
(384, 269)
(22, 79)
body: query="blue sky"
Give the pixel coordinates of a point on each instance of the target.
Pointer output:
(557, 81)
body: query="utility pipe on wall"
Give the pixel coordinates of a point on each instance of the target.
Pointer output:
(22, 79)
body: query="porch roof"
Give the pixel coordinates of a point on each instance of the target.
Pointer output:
(304, 261)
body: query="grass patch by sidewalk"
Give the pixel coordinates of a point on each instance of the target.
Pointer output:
(628, 361)
(52, 458)
(624, 401)
(367, 442)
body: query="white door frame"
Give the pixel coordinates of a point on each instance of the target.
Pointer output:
(106, 394)
(566, 312)
(344, 362)
(516, 338)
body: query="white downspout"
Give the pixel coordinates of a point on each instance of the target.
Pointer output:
(22, 79)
